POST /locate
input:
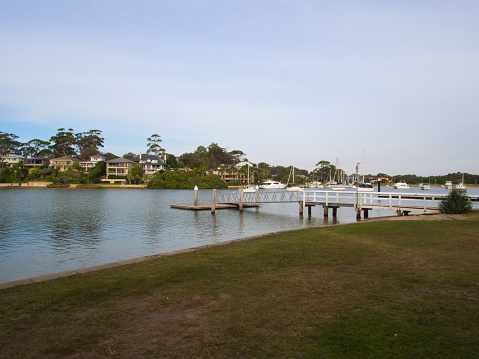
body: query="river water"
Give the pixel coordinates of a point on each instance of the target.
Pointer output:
(45, 231)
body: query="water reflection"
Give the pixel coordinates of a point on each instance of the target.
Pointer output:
(50, 230)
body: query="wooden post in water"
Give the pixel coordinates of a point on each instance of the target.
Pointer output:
(335, 212)
(240, 200)
(213, 202)
(325, 211)
(195, 201)
(301, 208)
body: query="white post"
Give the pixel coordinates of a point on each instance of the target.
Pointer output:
(195, 202)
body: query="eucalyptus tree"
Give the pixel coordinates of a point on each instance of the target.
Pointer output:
(324, 170)
(9, 144)
(63, 143)
(88, 143)
(154, 145)
(37, 148)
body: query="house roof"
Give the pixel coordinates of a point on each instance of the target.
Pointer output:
(120, 160)
(64, 158)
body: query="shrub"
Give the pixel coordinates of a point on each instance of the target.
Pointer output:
(455, 203)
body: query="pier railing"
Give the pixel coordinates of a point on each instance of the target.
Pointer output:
(358, 200)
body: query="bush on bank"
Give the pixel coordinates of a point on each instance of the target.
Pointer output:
(184, 180)
(456, 202)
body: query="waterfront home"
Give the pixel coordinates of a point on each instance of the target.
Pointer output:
(86, 166)
(12, 159)
(152, 163)
(63, 163)
(119, 167)
(36, 162)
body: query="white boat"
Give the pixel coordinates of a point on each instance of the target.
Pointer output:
(424, 186)
(365, 187)
(272, 185)
(293, 187)
(448, 185)
(250, 189)
(461, 187)
(401, 185)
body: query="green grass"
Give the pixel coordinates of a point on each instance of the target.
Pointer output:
(405, 289)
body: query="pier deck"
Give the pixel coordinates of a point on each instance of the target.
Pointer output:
(209, 205)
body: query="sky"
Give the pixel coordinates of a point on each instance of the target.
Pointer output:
(393, 85)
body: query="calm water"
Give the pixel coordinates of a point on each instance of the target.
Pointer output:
(45, 231)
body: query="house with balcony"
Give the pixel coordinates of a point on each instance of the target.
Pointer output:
(152, 163)
(63, 163)
(12, 159)
(119, 167)
(86, 166)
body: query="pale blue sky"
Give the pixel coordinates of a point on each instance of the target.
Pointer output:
(284, 81)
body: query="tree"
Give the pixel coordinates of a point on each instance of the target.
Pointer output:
(218, 155)
(97, 172)
(88, 140)
(324, 170)
(135, 175)
(171, 161)
(129, 155)
(37, 148)
(456, 203)
(237, 156)
(191, 160)
(9, 144)
(154, 145)
(63, 143)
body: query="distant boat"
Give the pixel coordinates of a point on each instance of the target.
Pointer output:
(365, 187)
(401, 185)
(250, 189)
(424, 186)
(272, 185)
(448, 185)
(461, 186)
(293, 187)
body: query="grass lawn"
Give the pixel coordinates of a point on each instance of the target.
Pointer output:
(389, 289)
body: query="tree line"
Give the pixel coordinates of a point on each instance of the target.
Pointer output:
(83, 145)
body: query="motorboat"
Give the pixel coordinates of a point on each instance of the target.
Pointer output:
(250, 189)
(294, 188)
(270, 184)
(401, 185)
(424, 186)
(461, 187)
(365, 187)
(448, 185)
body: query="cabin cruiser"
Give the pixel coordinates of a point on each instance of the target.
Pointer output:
(272, 185)
(401, 185)
(448, 185)
(424, 186)
(461, 187)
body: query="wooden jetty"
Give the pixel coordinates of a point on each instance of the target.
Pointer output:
(213, 205)
(362, 202)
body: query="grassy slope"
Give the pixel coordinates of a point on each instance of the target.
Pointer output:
(371, 290)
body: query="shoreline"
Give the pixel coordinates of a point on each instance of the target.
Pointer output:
(46, 277)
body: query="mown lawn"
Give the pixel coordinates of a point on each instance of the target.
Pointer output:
(405, 289)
